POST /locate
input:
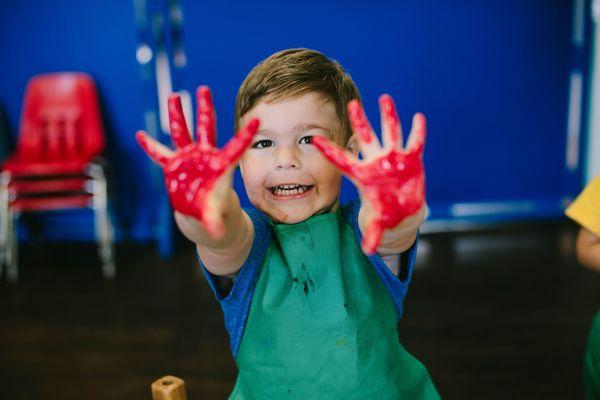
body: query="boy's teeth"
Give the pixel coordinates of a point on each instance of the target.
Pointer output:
(289, 190)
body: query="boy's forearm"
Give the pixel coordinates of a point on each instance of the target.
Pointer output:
(196, 232)
(221, 256)
(400, 238)
(226, 260)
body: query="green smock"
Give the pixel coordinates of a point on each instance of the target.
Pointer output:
(321, 324)
(591, 370)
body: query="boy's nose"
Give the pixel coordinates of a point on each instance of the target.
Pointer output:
(286, 159)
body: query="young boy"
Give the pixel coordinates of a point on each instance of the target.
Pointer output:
(310, 314)
(585, 210)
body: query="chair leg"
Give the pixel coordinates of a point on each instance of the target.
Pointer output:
(3, 229)
(103, 226)
(12, 248)
(4, 215)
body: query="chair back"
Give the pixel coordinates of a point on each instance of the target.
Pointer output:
(61, 119)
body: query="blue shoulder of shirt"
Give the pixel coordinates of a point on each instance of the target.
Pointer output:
(236, 303)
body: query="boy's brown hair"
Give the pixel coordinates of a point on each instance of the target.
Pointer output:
(294, 72)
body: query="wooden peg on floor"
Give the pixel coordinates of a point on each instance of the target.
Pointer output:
(168, 388)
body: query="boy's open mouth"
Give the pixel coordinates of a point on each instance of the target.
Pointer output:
(290, 189)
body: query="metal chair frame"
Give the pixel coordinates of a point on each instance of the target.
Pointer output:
(95, 185)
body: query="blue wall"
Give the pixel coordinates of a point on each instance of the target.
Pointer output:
(97, 37)
(492, 77)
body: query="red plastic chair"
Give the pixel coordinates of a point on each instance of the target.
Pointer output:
(56, 164)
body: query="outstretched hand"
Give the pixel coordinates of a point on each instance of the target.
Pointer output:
(390, 178)
(198, 176)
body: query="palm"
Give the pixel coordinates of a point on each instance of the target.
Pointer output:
(190, 175)
(394, 184)
(391, 179)
(195, 169)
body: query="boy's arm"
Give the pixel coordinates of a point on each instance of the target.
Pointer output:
(588, 249)
(390, 178)
(199, 178)
(398, 239)
(222, 256)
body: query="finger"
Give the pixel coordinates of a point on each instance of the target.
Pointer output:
(338, 157)
(159, 153)
(205, 117)
(418, 133)
(369, 145)
(372, 237)
(179, 130)
(391, 131)
(234, 149)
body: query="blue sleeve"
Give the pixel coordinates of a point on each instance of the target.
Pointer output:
(236, 303)
(396, 286)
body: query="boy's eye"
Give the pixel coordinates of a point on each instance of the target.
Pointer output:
(306, 140)
(261, 144)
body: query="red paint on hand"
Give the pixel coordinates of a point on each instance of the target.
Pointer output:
(193, 169)
(205, 118)
(359, 122)
(393, 183)
(388, 108)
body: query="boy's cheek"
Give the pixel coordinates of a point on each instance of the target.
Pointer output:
(331, 173)
(249, 168)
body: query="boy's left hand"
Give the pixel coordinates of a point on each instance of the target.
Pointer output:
(390, 178)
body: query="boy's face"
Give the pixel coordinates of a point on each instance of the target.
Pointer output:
(285, 176)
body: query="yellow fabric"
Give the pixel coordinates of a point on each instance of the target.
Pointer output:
(585, 210)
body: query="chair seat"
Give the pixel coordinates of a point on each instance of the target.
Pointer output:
(19, 167)
(47, 185)
(51, 203)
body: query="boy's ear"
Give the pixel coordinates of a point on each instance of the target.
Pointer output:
(352, 145)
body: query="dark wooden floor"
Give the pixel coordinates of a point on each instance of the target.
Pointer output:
(494, 315)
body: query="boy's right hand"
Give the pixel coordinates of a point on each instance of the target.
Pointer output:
(198, 176)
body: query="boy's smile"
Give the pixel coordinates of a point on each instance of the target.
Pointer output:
(289, 191)
(285, 176)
